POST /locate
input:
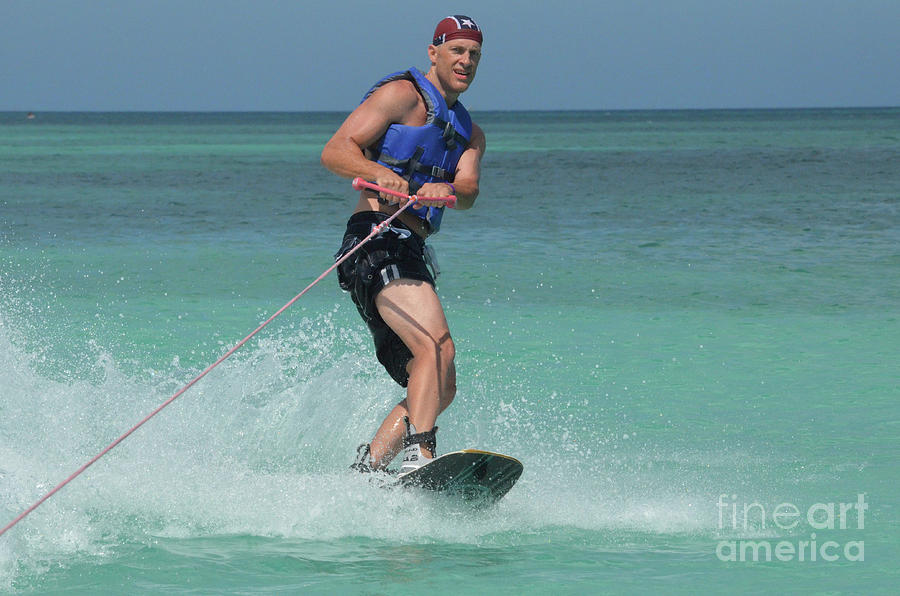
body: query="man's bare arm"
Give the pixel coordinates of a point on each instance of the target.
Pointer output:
(344, 154)
(468, 170)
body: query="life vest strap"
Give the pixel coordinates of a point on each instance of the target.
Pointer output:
(412, 165)
(451, 137)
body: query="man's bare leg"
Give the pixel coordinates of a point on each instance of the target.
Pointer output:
(388, 441)
(412, 309)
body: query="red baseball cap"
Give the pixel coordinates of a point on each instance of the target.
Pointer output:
(456, 27)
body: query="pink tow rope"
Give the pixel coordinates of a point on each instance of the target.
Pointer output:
(358, 184)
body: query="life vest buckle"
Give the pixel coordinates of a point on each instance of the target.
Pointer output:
(449, 136)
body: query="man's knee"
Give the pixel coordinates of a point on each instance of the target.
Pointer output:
(440, 352)
(447, 350)
(449, 387)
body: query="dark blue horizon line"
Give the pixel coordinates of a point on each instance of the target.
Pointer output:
(481, 111)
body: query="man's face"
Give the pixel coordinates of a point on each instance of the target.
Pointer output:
(455, 63)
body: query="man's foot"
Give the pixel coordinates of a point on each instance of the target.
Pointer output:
(413, 459)
(413, 456)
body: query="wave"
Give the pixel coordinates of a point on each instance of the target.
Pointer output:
(261, 447)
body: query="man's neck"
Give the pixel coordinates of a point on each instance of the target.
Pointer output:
(450, 98)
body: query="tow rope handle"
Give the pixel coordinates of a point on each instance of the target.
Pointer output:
(359, 184)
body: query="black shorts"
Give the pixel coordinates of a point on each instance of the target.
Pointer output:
(396, 253)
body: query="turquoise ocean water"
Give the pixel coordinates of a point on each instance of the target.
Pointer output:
(685, 324)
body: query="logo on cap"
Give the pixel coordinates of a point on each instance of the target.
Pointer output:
(456, 27)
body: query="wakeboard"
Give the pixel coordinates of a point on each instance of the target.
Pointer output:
(479, 477)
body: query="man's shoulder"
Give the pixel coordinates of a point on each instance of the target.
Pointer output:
(397, 88)
(477, 141)
(399, 97)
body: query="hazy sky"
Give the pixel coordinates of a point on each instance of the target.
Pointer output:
(538, 54)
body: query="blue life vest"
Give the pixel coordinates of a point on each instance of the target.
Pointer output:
(427, 153)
